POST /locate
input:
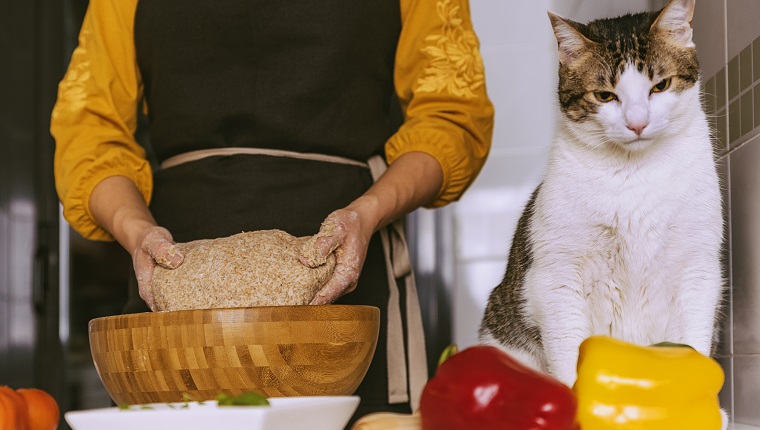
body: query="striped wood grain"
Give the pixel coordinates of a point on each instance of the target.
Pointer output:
(277, 351)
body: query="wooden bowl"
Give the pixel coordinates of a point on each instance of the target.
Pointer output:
(277, 351)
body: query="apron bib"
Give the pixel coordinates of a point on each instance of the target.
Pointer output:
(251, 90)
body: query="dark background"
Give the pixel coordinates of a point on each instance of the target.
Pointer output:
(52, 281)
(44, 310)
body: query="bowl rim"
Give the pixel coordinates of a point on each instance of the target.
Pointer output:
(372, 311)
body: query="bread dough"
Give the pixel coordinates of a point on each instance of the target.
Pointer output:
(259, 268)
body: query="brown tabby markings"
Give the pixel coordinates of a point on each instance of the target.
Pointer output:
(507, 296)
(615, 43)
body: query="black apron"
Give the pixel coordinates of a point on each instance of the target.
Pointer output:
(295, 75)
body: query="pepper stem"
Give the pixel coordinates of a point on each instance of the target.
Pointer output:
(447, 352)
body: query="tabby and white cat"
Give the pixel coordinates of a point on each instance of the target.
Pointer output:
(623, 236)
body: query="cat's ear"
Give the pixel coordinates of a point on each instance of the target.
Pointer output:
(674, 22)
(571, 43)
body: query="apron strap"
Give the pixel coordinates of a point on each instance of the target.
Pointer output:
(396, 361)
(393, 238)
(203, 153)
(401, 267)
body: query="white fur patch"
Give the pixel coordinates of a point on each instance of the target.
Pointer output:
(627, 230)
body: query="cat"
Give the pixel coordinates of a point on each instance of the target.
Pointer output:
(623, 235)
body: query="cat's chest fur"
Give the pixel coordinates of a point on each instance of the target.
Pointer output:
(622, 230)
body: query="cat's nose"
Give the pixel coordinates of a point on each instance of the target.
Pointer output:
(637, 127)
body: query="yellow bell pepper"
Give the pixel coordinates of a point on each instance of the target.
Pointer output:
(625, 386)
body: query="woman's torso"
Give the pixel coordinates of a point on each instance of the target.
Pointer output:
(296, 75)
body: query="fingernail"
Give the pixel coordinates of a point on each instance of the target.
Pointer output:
(176, 260)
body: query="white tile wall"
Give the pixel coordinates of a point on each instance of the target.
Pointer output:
(726, 33)
(746, 400)
(745, 251)
(745, 248)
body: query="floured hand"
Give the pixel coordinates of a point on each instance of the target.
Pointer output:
(155, 246)
(342, 233)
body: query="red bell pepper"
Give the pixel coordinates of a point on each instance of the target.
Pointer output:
(484, 388)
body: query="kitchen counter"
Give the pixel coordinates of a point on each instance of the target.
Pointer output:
(743, 427)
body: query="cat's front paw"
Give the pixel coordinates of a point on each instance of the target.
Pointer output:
(565, 373)
(562, 362)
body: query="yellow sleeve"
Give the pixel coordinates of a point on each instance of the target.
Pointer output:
(440, 82)
(95, 116)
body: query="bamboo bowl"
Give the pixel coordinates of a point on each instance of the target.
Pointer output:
(278, 351)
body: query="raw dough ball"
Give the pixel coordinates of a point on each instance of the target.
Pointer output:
(259, 268)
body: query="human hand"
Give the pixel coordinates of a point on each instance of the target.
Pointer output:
(155, 246)
(343, 233)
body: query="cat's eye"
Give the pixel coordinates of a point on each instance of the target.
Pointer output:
(605, 96)
(661, 86)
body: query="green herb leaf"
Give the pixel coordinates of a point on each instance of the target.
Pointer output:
(246, 399)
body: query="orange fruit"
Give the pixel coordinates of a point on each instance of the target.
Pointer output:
(13, 415)
(42, 409)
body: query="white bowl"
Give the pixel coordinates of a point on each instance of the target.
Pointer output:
(284, 413)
